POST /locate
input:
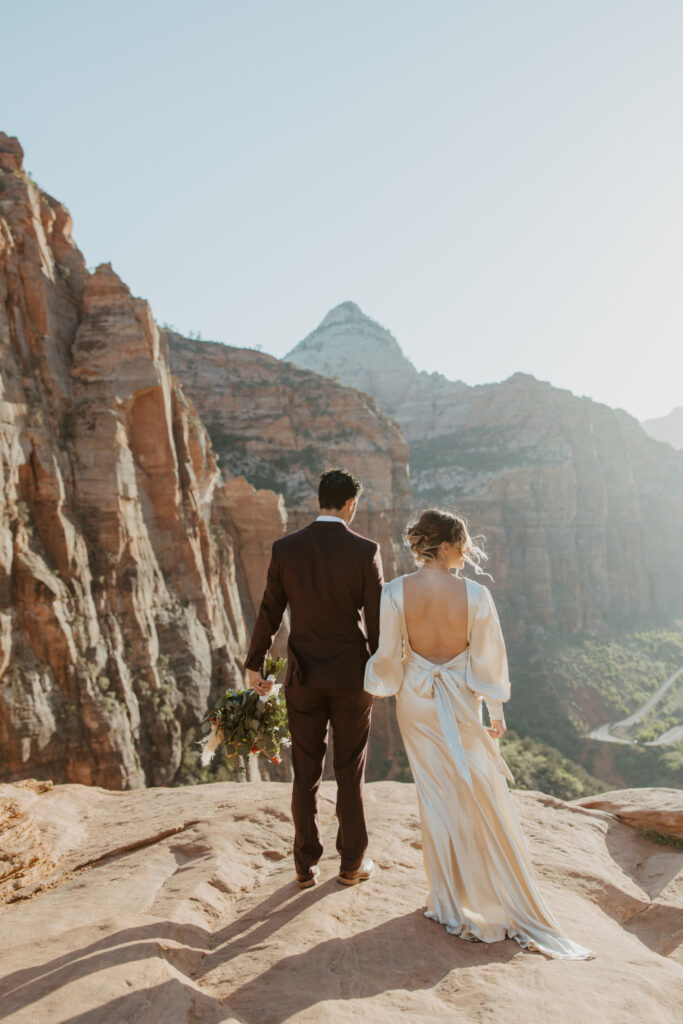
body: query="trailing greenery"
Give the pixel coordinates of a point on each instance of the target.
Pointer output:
(192, 773)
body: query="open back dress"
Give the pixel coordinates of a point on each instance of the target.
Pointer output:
(481, 880)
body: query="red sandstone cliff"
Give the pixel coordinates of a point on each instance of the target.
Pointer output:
(128, 565)
(131, 564)
(280, 427)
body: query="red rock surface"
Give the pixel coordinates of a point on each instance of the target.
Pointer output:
(281, 427)
(650, 810)
(128, 564)
(179, 905)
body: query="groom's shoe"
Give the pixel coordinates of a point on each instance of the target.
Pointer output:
(310, 879)
(361, 874)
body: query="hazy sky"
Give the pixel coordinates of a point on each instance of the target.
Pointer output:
(499, 183)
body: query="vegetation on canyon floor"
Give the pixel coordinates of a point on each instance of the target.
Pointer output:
(565, 687)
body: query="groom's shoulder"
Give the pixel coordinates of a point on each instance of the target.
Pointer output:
(363, 542)
(346, 539)
(291, 539)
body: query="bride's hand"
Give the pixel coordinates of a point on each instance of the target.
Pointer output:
(497, 729)
(258, 683)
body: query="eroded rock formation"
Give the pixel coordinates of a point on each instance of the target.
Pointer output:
(280, 427)
(128, 564)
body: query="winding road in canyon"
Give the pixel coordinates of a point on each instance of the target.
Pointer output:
(674, 735)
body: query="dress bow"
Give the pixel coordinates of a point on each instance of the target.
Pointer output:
(449, 723)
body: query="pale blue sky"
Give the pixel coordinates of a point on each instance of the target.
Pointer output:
(499, 183)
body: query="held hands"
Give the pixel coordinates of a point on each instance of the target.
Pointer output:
(257, 683)
(497, 729)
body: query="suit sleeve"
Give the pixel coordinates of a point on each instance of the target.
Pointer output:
(269, 618)
(372, 595)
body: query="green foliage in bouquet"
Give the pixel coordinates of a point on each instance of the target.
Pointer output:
(272, 666)
(248, 725)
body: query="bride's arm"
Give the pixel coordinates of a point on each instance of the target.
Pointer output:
(384, 670)
(487, 667)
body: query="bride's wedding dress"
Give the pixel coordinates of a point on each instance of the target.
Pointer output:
(481, 880)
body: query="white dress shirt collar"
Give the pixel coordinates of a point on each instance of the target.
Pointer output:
(331, 519)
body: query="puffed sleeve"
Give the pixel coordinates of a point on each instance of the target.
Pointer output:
(384, 670)
(487, 665)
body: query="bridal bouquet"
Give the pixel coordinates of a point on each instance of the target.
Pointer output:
(248, 724)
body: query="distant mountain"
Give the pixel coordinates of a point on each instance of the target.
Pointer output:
(350, 347)
(582, 509)
(667, 428)
(280, 427)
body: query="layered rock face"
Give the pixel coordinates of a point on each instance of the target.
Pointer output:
(580, 508)
(128, 565)
(180, 905)
(280, 427)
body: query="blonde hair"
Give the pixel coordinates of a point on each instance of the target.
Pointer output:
(436, 526)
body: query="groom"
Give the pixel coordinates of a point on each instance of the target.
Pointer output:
(331, 578)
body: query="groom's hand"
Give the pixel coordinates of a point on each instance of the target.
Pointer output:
(256, 682)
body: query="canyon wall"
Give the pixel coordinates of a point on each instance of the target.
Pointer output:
(280, 427)
(133, 542)
(129, 566)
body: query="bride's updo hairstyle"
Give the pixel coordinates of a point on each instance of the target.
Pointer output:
(436, 526)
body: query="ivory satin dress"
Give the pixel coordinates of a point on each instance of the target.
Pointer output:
(481, 880)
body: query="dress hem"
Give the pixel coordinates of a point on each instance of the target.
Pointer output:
(469, 933)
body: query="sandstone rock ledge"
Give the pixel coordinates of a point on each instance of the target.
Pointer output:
(177, 905)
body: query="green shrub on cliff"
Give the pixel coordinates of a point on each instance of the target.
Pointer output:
(537, 765)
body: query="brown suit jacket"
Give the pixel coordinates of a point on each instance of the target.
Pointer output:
(332, 580)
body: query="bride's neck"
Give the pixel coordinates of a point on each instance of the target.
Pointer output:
(436, 567)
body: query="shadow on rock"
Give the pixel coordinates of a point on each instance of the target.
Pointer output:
(407, 953)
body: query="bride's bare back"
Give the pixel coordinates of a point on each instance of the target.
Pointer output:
(435, 606)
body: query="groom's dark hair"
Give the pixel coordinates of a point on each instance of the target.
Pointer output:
(336, 487)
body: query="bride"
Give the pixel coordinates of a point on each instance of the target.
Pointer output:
(440, 652)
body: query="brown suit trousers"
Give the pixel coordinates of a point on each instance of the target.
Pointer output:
(331, 578)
